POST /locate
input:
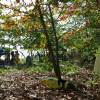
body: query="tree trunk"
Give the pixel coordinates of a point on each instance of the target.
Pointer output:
(54, 59)
(97, 65)
(57, 67)
(98, 3)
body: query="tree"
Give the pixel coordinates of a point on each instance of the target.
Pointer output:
(40, 24)
(30, 20)
(52, 53)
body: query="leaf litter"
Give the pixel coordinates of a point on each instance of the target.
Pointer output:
(20, 85)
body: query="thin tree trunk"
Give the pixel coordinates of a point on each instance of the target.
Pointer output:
(57, 68)
(49, 44)
(98, 3)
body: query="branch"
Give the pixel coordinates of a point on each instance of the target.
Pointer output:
(71, 33)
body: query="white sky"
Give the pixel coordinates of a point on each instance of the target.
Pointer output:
(8, 2)
(13, 3)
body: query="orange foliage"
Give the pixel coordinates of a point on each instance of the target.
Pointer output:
(37, 25)
(25, 18)
(68, 35)
(8, 25)
(63, 17)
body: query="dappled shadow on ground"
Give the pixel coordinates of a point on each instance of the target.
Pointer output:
(20, 85)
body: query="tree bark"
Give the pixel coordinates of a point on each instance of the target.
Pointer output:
(54, 60)
(57, 67)
(98, 3)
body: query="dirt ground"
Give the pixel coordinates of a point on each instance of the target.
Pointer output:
(20, 85)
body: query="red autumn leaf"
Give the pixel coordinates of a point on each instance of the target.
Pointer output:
(72, 8)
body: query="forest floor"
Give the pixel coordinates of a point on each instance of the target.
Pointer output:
(20, 85)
